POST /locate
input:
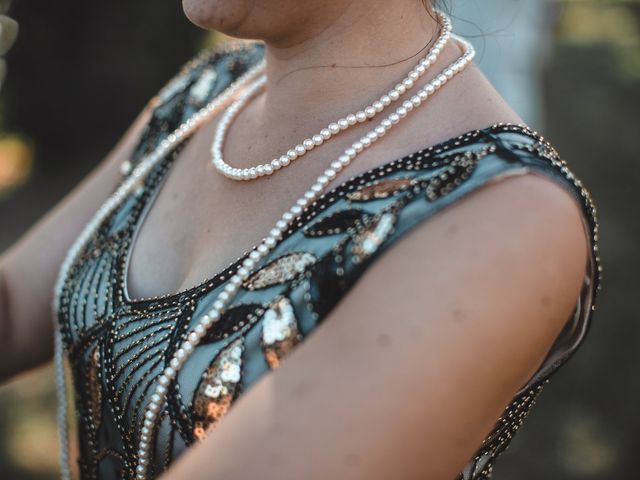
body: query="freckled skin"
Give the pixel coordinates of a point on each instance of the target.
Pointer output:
(459, 315)
(383, 340)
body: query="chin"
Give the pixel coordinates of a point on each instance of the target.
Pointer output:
(269, 20)
(227, 16)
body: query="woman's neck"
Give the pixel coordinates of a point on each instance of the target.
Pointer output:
(339, 66)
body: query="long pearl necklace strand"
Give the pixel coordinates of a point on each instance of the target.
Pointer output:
(158, 398)
(330, 130)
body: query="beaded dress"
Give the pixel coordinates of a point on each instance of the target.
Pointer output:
(118, 346)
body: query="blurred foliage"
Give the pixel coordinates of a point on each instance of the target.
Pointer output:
(79, 75)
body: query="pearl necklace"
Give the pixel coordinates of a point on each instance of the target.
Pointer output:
(158, 398)
(326, 133)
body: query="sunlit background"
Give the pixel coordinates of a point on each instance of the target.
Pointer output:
(82, 70)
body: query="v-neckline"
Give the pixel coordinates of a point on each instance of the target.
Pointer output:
(214, 281)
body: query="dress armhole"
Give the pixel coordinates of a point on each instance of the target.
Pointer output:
(577, 326)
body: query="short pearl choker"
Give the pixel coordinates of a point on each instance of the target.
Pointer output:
(158, 398)
(326, 133)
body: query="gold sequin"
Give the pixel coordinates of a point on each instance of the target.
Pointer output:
(370, 239)
(217, 389)
(95, 387)
(280, 332)
(281, 270)
(381, 189)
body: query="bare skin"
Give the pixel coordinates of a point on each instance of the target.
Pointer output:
(406, 377)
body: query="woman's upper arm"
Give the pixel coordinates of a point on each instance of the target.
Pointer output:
(29, 268)
(407, 376)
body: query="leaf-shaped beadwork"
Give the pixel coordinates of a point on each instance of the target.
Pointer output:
(94, 386)
(336, 223)
(366, 242)
(279, 271)
(280, 332)
(217, 389)
(381, 189)
(232, 320)
(451, 177)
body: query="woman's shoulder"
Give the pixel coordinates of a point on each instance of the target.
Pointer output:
(497, 203)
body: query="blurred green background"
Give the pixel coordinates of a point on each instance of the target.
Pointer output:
(81, 71)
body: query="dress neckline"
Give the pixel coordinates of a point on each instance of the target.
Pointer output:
(212, 282)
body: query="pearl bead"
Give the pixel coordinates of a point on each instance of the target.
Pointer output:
(330, 173)
(378, 106)
(334, 128)
(284, 160)
(351, 119)
(361, 117)
(325, 133)
(248, 263)
(370, 112)
(300, 150)
(343, 124)
(358, 147)
(308, 144)
(317, 140)
(393, 95)
(394, 118)
(275, 233)
(292, 155)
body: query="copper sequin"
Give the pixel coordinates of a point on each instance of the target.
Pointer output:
(94, 387)
(381, 189)
(217, 389)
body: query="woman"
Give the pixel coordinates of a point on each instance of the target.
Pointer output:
(430, 363)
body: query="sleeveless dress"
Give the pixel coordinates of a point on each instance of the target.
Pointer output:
(117, 346)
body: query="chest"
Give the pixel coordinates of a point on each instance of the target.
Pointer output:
(196, 222)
